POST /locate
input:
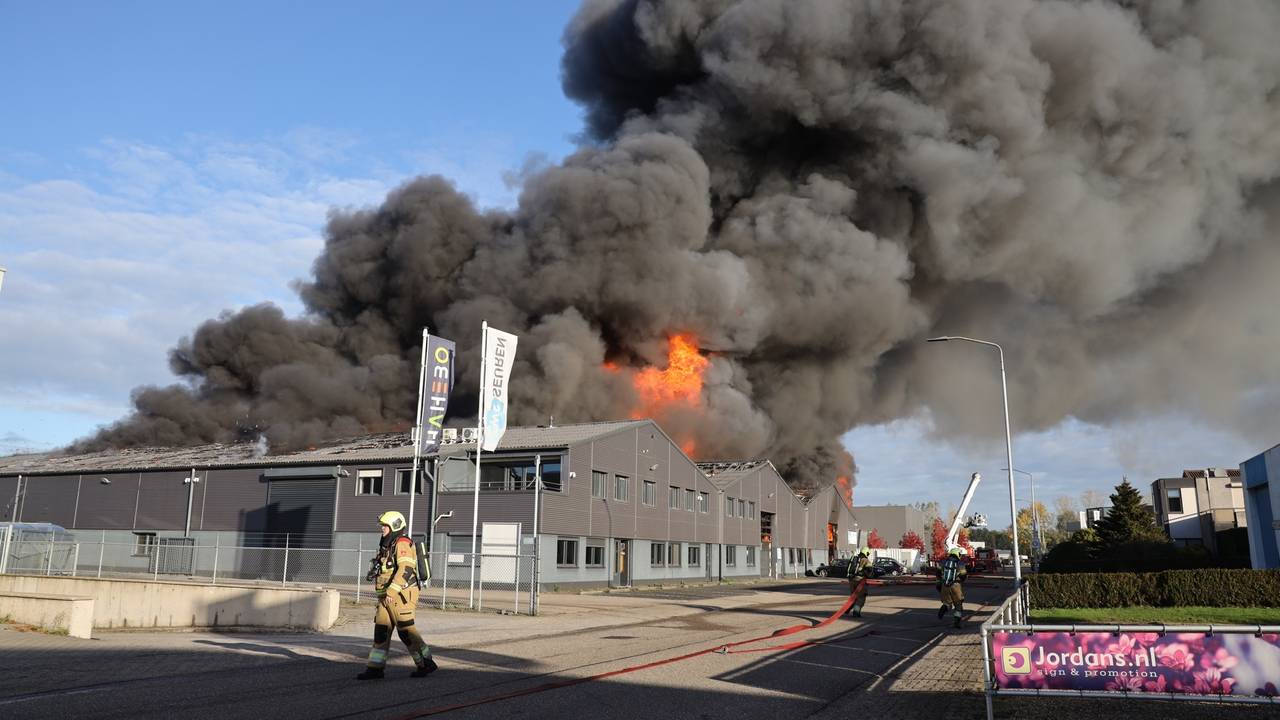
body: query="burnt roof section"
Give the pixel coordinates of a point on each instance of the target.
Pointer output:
(723, 473)
(386, 447)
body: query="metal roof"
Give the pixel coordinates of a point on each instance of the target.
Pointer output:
(386, 447)
(723, 473)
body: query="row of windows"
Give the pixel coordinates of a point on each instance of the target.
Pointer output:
(677, 498)
(567, 553)
(660, 554)
(744, 508)
(369, 482)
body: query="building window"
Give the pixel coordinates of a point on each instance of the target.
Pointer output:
(621, 487)
(673, 498)
(695, 556)
(647, 493)
(742, 507)
(703, 502)
(144, 544)
(751, 510)
(673, 554)
(1175, 500)
(460, 549)
(730, 554)
(657, 554)
(595, 555)
(369, 482)
(751, 556)
(402, 481)
(516, 474)
(728, 507)
(567, 553)
(689, 499)
(598, 479)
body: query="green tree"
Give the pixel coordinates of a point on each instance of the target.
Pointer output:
(1127, 520)
(1025, 527)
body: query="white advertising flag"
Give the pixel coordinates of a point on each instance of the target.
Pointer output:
(499, 357)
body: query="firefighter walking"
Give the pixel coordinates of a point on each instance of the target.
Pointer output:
(395, 576)
(950, 586)
(859, 571)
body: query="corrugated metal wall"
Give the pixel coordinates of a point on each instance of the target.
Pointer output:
(162, 501)
(110, 506)
(302, 507)
(8, 488)
(233, 500)
(50, 498)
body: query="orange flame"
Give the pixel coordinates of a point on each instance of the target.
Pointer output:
(680, 382)
(844, 477)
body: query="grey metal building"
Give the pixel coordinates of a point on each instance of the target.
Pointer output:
(620, 502)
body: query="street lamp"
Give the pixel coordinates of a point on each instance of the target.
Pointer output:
(1037, 537)
(1008, 444)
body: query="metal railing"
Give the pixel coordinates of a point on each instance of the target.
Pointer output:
(1013, 616)
(504, 583)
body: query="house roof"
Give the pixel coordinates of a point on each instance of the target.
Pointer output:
(723, 473)
(386, 447)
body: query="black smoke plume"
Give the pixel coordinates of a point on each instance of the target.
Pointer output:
(812, 188)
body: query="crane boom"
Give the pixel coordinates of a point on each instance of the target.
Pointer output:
(975, 521)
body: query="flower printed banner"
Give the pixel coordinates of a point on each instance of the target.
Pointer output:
(1183, 663)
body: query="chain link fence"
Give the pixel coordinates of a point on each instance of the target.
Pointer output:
(504, 583)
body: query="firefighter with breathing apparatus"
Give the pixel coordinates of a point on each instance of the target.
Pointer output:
(395, 575)
(859, 572)
(951, 575)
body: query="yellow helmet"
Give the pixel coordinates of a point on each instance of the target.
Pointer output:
(956, 550)
(392, 519)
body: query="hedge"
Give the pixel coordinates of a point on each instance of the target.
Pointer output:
(1212, 587)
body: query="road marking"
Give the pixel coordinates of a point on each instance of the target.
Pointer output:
(829, 667)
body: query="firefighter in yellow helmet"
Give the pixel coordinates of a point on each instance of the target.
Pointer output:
(859, 571)
(951, 575)
(395, 577)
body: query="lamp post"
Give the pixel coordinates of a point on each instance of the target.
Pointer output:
(1008, 444)
(1037, 537)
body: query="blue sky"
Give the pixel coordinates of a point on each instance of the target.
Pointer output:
(163, 162)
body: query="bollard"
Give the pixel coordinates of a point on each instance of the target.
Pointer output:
(217, 541)
(359, 567)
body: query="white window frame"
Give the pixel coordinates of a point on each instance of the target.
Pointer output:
(375, 476)
(731, 555)
(673, 497)
(406, 472)
(602, 478)
(648, 493)
(572, 545)
(729, 506)
(673, 554)
(704, 503)
(751, 509)
(623, 483)
(695, 555)
(751, 556)
(690, 500)
(144, 544)
(593, 545)
(659, 551)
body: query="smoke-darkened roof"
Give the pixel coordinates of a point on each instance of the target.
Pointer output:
(386, 447)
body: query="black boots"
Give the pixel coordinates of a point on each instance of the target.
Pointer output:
(427, 668)
(942, 611)
(371, 674)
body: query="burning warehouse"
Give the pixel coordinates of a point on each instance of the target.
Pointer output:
(621, 503)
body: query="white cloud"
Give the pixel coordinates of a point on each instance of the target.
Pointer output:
(114, 258)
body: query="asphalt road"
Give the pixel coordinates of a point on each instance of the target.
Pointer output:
(499, 667)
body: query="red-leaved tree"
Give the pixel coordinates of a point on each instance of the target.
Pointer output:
(963, 539)
(939, 539)
(875, 542)
(911, 540)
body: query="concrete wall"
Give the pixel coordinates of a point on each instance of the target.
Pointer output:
(51, 612)
(142, 603)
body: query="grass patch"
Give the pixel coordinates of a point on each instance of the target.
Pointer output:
(1139, 615)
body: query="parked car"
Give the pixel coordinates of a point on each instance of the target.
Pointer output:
(837, 568)
(887, 566)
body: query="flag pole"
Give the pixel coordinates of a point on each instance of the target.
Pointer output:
(475, 504)
(417, 428)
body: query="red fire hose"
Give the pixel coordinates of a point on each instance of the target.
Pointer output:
(721, 649)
